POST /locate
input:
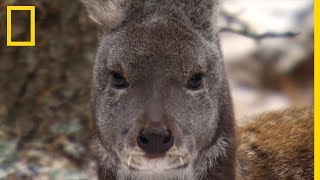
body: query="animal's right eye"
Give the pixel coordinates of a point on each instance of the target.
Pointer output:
(195, 82)
(118, 81)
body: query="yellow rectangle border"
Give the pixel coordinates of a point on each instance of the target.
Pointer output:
(316, 90)
(32, 26)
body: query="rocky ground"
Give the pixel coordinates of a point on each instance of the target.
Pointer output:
(44, 94)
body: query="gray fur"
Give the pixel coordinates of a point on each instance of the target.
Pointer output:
(108, 13)
(158, 45)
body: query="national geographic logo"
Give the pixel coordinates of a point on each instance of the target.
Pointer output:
(31, 41)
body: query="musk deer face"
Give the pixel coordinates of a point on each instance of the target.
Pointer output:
(156, 88)
(157, 91)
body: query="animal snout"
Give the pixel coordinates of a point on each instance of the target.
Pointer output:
(155, 141)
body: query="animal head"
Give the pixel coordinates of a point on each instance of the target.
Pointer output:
(160, 98)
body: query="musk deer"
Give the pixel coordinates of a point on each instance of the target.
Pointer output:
(160, 97)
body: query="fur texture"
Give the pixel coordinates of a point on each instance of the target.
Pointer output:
(108, 13)
(277, 145)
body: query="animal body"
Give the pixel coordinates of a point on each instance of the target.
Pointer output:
(160, 97)
(277, 145)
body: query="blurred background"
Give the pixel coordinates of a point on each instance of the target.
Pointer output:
(44, 90)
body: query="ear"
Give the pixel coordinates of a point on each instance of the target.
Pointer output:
(203, 15)
(106, 13)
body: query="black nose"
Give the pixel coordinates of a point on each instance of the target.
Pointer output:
(155, 140)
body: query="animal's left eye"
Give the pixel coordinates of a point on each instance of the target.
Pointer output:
(118, 81)
(195, 82)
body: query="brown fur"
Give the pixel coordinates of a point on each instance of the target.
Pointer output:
(277, 145)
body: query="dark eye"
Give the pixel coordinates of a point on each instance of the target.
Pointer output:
(195, 82)
(118, 81)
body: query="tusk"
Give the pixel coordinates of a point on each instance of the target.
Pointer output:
(181, 161)
(129, 159)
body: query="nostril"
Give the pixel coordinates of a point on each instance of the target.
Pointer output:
(143, 139)
(167, 138)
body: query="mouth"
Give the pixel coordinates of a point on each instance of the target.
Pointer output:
(139, 161)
